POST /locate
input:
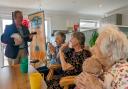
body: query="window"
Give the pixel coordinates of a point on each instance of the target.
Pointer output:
(46, 29)
(88, 24)
(47, 24)
(4, 23)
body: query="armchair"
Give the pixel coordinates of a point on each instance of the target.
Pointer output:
(66, 81)
(52, 68)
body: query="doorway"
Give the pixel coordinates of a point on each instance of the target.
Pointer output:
(4, 59)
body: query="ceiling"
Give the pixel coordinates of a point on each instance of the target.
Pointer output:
(90, 7)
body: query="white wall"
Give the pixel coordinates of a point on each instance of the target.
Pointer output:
(123, 11)
(60, 20)
(125, 19)
(57, 20)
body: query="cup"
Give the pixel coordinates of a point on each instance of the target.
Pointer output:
(24, 65)
(24, 59)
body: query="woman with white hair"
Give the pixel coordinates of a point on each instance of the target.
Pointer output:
(112, 49)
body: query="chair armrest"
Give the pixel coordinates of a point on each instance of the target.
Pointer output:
(34, 61)
(55, 66)
(66, 81)
(51, 71)
(45, 61)
(37, 63)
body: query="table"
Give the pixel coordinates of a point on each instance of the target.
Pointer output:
(12, 78)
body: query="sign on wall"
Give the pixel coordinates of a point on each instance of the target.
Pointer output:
(37, 47)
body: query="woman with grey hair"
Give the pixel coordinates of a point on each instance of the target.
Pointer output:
(112, 49)
(71, 59)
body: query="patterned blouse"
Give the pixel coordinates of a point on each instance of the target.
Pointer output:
(76, 59)
(119, 73)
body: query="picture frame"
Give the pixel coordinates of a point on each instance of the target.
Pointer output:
(38, 44)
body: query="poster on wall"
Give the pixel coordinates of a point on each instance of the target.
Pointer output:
(37, 47)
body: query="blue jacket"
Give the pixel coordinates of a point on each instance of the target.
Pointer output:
(11, 50)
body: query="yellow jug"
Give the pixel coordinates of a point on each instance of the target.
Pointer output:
(36, 81)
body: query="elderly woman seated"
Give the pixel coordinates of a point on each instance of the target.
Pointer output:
(53, 54)
(71, 59)
(108, 67)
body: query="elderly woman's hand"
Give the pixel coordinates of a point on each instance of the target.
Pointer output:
(51, 48)
(63, 46)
